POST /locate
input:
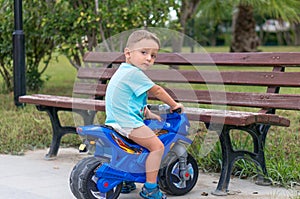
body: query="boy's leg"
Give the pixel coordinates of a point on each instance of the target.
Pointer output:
(145, 137)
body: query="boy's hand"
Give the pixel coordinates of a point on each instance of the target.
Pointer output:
(152, 116)
(178, 106)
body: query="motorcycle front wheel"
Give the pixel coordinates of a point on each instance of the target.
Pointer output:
(171, 180)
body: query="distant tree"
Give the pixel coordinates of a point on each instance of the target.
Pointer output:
(210, 18)
(185, 10)
(72, 28)
(297, 32)
(244, 37)
(87, 23)
(39, 40)
(6, 29)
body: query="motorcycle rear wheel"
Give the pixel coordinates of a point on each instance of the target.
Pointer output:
(87, 182)
(73, 181)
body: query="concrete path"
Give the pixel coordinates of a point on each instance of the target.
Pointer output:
(32, 177)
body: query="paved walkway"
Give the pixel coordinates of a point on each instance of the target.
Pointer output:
(32, 177)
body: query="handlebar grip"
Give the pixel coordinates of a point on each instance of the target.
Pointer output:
(178, 110)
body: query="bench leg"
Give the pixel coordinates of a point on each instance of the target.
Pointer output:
(261, 180)
(227, 162)
(58, 131)
(229, 155)
(87, 116)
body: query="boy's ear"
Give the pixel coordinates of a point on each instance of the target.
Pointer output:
(127, 53)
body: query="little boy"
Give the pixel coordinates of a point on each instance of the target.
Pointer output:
(126, 101)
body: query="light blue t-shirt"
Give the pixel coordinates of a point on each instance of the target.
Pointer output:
(126, 96)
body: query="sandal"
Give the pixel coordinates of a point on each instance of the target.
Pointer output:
(154, 193)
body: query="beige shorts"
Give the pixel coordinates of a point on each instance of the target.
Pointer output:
(123, 131)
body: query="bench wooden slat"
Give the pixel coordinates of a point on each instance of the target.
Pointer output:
(258, 100)
(234, 117)
(195, 114)
(90, 89)
(282, 79)
(64, 102)
(227, 77)
(232, 59)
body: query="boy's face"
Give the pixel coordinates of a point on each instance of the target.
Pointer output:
(142, 54)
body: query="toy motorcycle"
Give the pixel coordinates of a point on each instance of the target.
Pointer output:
(117, 159)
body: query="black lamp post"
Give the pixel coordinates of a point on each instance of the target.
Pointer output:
(18, 54)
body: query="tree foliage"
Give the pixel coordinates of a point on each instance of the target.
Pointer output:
(87, 23)
(72, 27)
(39, 42)
(6, 45)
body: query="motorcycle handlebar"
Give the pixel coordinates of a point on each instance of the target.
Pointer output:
(162, 108)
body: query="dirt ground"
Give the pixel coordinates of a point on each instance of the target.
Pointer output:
(32, 177)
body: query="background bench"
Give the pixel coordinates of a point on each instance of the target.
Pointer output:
(211, 81)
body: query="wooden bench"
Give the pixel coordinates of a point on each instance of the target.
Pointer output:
(204, 80)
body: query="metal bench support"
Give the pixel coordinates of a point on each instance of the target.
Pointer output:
(58, 130)
(258, 133)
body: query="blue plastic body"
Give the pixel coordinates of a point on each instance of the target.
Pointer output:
(127, 159)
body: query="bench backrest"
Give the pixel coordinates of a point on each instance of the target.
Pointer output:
(267, 81)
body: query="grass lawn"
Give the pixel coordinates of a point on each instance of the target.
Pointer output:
(27, 129)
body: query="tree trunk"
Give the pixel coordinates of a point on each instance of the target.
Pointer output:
(297, 34)
(187, 10)
(244, 36)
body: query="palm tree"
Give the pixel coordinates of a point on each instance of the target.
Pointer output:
(297, 32)
(244, 37)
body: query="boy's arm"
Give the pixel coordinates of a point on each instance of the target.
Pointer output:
(163, 96)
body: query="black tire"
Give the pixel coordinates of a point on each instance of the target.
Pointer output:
(74, 176)
(87, 188)
(169, 181)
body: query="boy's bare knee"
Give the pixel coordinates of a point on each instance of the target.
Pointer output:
(162, 147)
(158, 147)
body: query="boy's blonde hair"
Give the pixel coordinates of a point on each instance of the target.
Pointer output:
(138, 35)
